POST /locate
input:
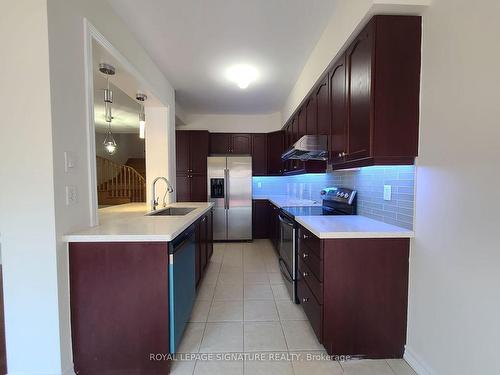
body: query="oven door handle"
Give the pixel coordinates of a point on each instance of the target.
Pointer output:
(284, 221)
(284, 270)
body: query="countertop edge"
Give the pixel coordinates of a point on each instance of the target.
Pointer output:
(355, 234)
(76, 237)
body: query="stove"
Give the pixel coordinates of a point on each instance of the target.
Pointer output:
(336, 201)
(310, 211)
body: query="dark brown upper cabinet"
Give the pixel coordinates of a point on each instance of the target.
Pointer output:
(230, 143)
(311, 116)
(191, 159)
(220, 143)
(259, 154)
(241, 144)
(383, 86)
(191, 151)
(182, 151)
(302, 121)
(275, 148)
(337, 80)
(368, 100)
(289, 141)
(322, 106)
(359, 82)
(198, 151)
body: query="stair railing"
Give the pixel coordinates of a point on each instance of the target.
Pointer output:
(120, 181)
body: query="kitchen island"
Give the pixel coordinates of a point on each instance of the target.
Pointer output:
(121, 280)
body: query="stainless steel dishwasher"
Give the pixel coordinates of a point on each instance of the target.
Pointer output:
(182, 284)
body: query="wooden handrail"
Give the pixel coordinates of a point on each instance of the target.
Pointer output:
(120, 181)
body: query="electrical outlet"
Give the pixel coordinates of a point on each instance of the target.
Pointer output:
(387, 192)
(259, 185)
(71, 195)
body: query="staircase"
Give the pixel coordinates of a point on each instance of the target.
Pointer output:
(118, 184)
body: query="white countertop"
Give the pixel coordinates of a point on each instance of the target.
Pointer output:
(351, 226)
(284, 200)
(129, 223)
(347, 226)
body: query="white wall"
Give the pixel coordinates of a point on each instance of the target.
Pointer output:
(43, 55)
(232, 123)
(157, 155)
(349, 17)
(455, 259)
(27, 215)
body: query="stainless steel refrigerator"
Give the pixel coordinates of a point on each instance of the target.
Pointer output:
(230, 188)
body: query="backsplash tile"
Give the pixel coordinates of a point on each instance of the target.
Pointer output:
(368, 181)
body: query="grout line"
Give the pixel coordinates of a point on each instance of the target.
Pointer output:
(389, 365)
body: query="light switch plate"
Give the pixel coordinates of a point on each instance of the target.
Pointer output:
(71, 195)
(387, 192)
(69, 161)
(259, 185)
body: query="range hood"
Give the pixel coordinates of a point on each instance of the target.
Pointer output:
(308, 147)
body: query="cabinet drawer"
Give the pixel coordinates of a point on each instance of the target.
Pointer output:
(311, 281)
(310, 241)
(312, 308)
(315, 264)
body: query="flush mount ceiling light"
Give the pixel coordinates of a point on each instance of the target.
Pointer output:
(109, 142)
(142, 116)
(242, 75)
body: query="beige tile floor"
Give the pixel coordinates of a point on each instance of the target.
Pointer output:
(242, 306)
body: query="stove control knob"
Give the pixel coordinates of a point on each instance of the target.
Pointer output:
(346, 195)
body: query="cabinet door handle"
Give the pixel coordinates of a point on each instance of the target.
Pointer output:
(340, 154)
(305, 236)
(305, 299)
(305, 255)
(305, 274)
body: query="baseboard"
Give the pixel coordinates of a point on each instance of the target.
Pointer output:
(69, 371)
(416, 362)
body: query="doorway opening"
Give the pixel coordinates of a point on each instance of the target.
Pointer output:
(120, 150)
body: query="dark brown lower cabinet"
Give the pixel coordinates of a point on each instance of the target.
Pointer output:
(354, 293)
(210, 235)
(204, 244)
(201, 253)
(119, 307)
(260, 218)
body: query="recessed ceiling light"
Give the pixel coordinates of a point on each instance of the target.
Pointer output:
(242, 75)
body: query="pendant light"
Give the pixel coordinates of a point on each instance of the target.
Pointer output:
(142, 116)
(109, 142)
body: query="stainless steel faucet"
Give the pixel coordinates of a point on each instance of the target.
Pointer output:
(170, 189)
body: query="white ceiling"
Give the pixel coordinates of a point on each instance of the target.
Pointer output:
(194, 41)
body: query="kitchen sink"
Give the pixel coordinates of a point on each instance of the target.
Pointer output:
(172, 211)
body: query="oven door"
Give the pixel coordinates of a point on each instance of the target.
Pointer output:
(287, 255)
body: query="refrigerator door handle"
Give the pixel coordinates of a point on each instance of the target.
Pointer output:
(226, 195)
